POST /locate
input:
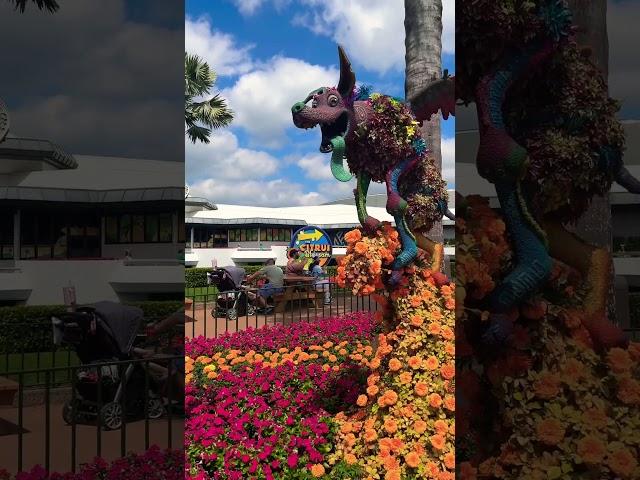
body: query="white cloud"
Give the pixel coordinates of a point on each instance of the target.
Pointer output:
(250, 7)
(270, 193)
(262, 99)
(448, 152)
(372, 31)
(224, 160)
(316, 166)
(218, 49)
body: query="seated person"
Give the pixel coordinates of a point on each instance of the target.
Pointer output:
(275, 277)
(296, 263)
(322, 284)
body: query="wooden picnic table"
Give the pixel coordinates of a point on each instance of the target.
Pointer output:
(297, 287)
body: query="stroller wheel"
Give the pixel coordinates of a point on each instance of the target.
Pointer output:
(70, 413)
(232, 314)
(111, 415)
(251, 310)
(155, 409)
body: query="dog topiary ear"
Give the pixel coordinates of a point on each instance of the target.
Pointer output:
(347, 77)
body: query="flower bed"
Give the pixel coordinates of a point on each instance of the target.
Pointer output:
(332, 398)
(152, 464)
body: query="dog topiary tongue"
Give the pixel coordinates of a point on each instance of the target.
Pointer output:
(337, 159)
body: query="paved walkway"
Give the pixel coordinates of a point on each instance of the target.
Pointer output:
(34, 421)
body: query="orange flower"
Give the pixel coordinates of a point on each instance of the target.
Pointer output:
(372, 379)
(619, 360)
(634, 350)
(417, 320)
(350, 458)
(393, 475)
(437, 441)
(450, 403)
(421, 389)
(450, 460)
(395, 364)
(467, 471)
(362, 400)
(591, 449)
(396, 444)
(441, 426)
(448, 371)
(432, 363)
(375, 363)
(415, 362)
(372, 390)
(550, 431)
(435, 400)
(420, 426)
(445, 476)
(629, 391)
(434, 328)
(360, 248)
(391, 397)
(333, 358)
(390, 425)
(450, 349)
(432, 469)
(412, 459)
(346, 427)
(405, 378)
(317, 470)
(547, 386)
(415, 301)
(353, 236)
(622, 462)
(391, 463)
(370, 435)
(447, 333)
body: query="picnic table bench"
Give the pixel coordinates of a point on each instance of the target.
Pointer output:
(297, 287)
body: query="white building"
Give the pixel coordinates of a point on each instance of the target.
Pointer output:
(246, 235)
(70, 220)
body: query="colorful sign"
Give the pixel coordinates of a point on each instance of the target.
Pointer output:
(313, 242)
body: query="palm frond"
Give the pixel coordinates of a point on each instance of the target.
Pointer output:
(50, 5)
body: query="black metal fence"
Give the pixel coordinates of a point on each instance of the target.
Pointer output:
(104, 409)
(227, 312)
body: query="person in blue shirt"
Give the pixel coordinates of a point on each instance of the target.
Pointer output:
(322, 284)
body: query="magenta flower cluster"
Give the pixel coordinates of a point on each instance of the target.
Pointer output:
(154, 464)
(258, 423)
(353, 327)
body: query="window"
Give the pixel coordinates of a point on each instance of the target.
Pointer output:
(208, 236)
(6, 235)
(56, 234)
(275, 234)
(140, 228)
(243, 235)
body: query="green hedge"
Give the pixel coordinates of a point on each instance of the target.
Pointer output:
(28, 328)
(197, 277)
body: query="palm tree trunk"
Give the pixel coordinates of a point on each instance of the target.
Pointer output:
(423, 57)
(595, 225)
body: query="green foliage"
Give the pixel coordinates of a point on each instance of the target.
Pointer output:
(344, 471)
(200, 117)
(28, 328)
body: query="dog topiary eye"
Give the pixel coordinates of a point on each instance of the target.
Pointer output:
(332, 100)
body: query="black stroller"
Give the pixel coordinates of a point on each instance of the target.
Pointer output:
(233, 300)
(100, 333)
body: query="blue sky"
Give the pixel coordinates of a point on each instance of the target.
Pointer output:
(269, 54)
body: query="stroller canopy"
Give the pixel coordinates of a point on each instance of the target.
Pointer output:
(236, 274)
(124, 322)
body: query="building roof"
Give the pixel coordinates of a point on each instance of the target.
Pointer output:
(380, 200)
(95, 179)
(323, 216)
